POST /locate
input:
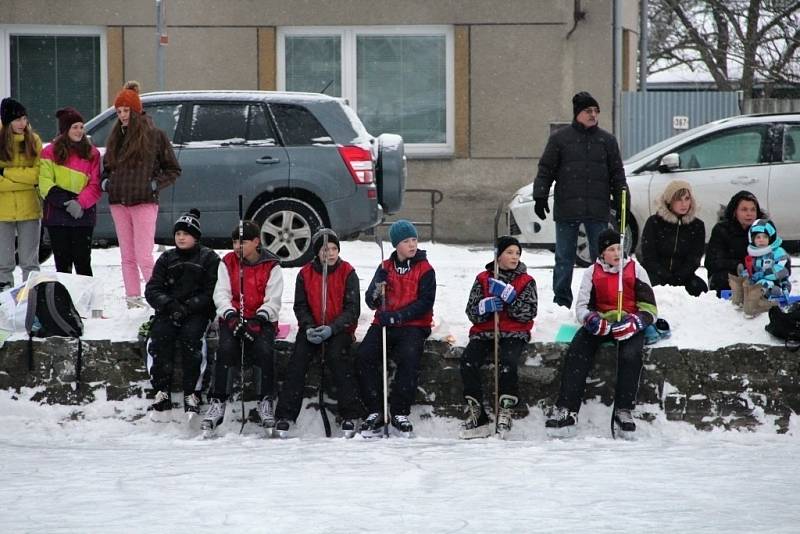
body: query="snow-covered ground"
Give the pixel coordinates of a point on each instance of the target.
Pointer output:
(97, 468)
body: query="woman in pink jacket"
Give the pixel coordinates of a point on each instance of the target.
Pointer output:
(69, 183)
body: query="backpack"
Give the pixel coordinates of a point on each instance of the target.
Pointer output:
(51, 312)
(785, 325)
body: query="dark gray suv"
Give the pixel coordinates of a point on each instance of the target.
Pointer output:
(300, 160)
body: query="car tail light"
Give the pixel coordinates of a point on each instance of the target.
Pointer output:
(359, 163)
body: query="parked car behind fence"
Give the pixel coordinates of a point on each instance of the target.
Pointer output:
(759, 153)
(300, 161)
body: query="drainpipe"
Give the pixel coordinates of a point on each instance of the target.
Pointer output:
(161, 41)
(617, 82)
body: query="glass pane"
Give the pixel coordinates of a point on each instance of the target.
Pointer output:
(218, 122)
(298, 126)
(743, 146)
(791, 142)
(260, 129)
(314, 64)
(402, 86)
(165, 117)
(50, 72)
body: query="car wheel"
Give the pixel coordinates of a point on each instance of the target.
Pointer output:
(583, 258)
(287, 225)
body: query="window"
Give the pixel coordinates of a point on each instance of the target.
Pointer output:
(731, 148)
(791, 144)
(49, 68)
(165, 116)
(298, 126)
(398, 80)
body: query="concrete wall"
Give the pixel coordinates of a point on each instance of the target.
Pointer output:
(742, 386)
(515, 68)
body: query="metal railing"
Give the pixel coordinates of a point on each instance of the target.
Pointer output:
(435, 197)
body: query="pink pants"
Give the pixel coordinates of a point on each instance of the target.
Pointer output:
(136, 230)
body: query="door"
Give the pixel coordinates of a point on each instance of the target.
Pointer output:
(784, 185)
(228, 149)
(719, 165)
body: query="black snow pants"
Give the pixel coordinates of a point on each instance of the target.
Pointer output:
(477, 352)
(169, 341)
(259, 353)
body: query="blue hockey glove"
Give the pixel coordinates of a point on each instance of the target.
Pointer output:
(388, 318)
(489, 305)
(627, 327)
(500, 289)
(596, 325)
(756, 276)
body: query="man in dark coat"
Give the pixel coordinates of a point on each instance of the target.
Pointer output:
(585, 163)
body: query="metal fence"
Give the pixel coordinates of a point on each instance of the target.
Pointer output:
(648, 118)
(771, 105)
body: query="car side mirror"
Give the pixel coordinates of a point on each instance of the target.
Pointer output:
(669, 162)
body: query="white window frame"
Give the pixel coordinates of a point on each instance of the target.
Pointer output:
(7, 30)
(348, 35)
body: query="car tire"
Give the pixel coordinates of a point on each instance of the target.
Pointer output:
(287, 225)
(582, 256)
(391, 172)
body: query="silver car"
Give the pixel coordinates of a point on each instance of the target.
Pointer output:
(760, 153)
(300, 160)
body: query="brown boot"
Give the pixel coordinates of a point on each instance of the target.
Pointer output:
(737, 293)
(754, 300)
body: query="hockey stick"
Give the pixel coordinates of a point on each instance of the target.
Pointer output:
(241, 307)
(324, 260)
(619, 299)
(383, 348)
(496, 322)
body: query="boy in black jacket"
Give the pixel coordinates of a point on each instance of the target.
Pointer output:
(180, 291)
(336, 330)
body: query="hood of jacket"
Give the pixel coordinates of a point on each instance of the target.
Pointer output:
(663, 202)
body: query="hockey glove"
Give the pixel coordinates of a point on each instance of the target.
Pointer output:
(231, 319)
(312, 337)
(627, 327)
(541, 208)
(756, 276)
(254, 326)
(378, 292)
(73, 208)
(500, 289)
(489, 305)
(323, 332)
(596, 325)
(388, 318)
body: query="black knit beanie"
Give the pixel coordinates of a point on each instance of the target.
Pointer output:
(505, 241)
(319, 239)
(608, 237)
(189, 222)
(582, 101)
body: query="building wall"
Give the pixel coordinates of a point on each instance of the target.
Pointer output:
(515, 72)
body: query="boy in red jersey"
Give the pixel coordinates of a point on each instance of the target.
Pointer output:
(513, 296)
(402, 292)
(342, 310)
(255, 326)
(596, 310)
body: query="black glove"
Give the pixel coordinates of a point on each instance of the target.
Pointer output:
(541, 208)
(243, 332)
(177, 312)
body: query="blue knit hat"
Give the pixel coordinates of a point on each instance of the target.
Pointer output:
(401, 230)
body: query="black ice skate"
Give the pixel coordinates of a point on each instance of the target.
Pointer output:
(624, 425)
(348, 428)
(401, 426)
(282, 428)
(161, 409)
(214, 417)
(191, 406)
(266, 415)
(476, 424)
(372, 427)
(504, 417)
(562, 423)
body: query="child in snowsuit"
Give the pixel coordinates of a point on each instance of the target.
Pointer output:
(402, 292)
(180, 291)
(596, 310)
(332, 330)
(255, 326)
(765, 272)
(512, 295)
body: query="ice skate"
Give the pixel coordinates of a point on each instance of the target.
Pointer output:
(624, 426)
(214, 417)
(282, 428)
(372, 427)
(348, 428)
(191, 406)
(161, 409)
(562, 423)
(266, 415)
(402, 427)
(504, 417)
(476, 424)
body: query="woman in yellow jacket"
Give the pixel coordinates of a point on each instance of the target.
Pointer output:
(20, 207)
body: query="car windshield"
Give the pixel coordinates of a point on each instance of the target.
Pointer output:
(652, 149)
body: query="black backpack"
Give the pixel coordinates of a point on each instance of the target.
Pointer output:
(785, 325)
(52, 313)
